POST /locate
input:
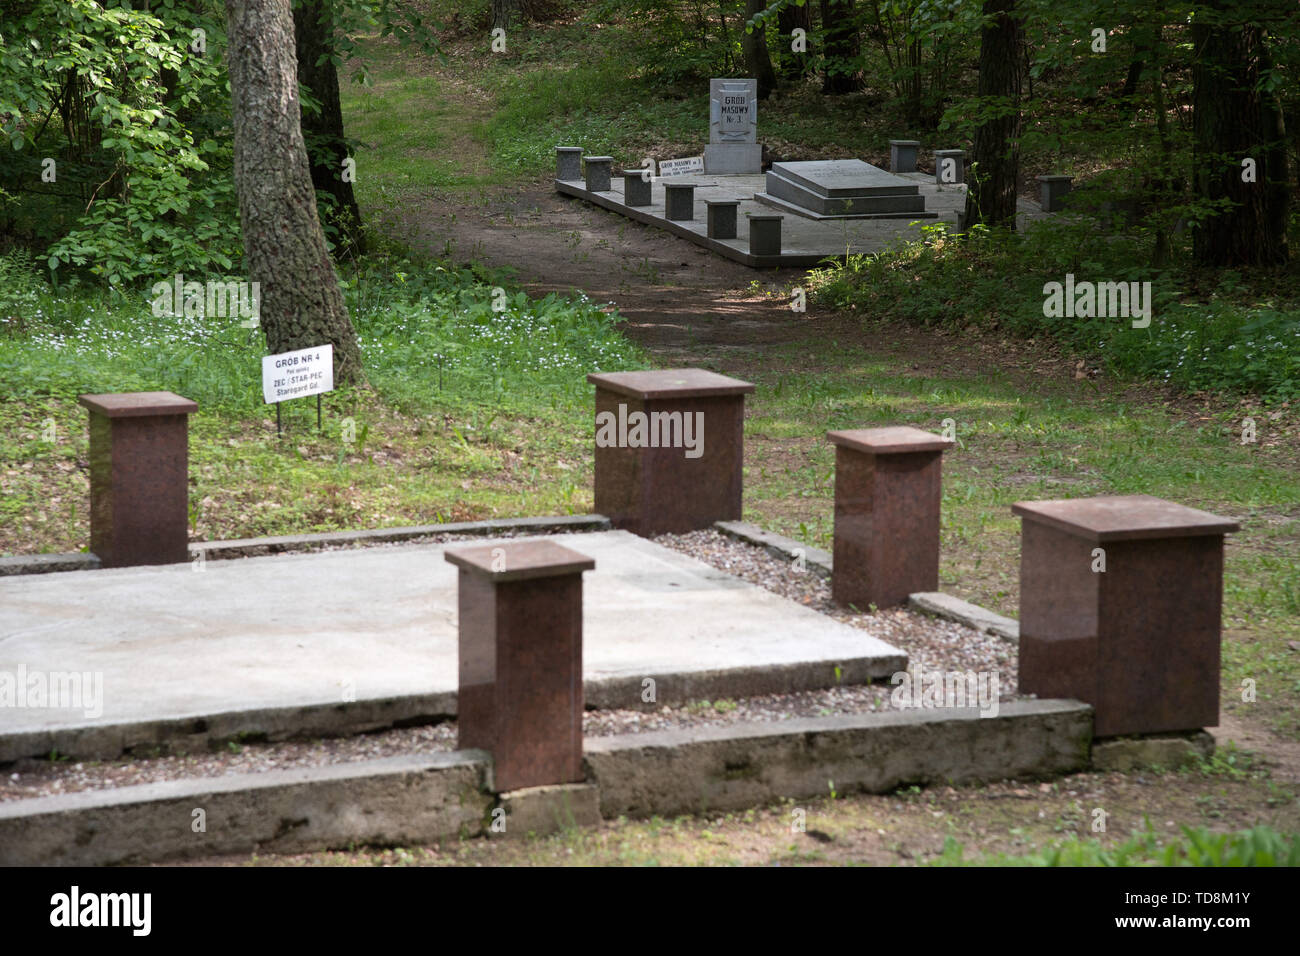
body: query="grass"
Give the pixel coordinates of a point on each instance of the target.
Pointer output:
(1049, 439)
(470, 412)
(1258, 846)
(1208, 330)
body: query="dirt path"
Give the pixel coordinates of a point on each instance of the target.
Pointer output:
(677, 298)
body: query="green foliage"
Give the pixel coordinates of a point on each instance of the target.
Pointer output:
(1258, 846)
(135, 119)
(428, 334)
(1221, 337)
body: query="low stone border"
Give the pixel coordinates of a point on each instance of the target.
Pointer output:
(93, 741)
(712, 768)
(815, 559)
(421, 799)
(47, 563)
(277, 544)
(413, 799)
(972, 615)
(693, 230)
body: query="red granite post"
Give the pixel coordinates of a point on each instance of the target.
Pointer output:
(520, 697)
(1139, 641)
(887, 493)
(669, 449)
(139, 477)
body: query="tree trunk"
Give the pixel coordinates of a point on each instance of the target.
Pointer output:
(1233, 121)
(301, 302)
(991, 193)
(794, 66)
(313, 27)
(758, 62)
(504, 13)
(840, 56)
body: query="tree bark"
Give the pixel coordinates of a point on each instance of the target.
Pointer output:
(1233, 120)
(842, 47)
(794, 66)
(991, 193)
(313, 27)
(758, 62)
(301, 302)
(504, 13)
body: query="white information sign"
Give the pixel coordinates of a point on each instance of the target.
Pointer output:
(295, 374)
(678, 167)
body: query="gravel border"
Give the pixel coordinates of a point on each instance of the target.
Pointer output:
(931, 644)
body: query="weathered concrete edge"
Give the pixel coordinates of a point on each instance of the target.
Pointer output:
(277, 544)
(419, 799)
(700, 771)
(963, 612)
(815, 559)
(786, 260)
(48, 563)
(93, 741)
(397, 800)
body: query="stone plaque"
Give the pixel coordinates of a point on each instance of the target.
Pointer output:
(733, 111)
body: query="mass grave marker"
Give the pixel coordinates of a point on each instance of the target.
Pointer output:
(843, 189)
(733, 128)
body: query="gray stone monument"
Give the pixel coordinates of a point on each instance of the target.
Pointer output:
(720, 220)
(568, 162)
(636, 187)
(1052, 191)
(949, 166)
(733, 128)
(765, 235)
(902, 155)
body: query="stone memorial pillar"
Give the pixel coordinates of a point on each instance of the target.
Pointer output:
(669, 449)
(721, 214)
(764, 234)
(887, 494)
(1052, 191)
(520, 639)
(139, 477)
(679, 201)
(568, 163)
(1120, 604)
(733, 128)
(636, 188)
(949, 166)
(599, 172)
(902, 155)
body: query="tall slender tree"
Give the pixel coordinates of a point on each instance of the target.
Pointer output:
(841, 47)
(1237, 117)
(284, 246)
(322, 129)
(991, 193)
(758, 62)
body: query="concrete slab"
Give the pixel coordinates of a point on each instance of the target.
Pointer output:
(805, 240)
(842, 178)
(378, 625)
(418, 798)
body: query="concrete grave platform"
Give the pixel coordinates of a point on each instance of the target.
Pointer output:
(805, 239)
(843, 189)
(345, 641)
(424, 798)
